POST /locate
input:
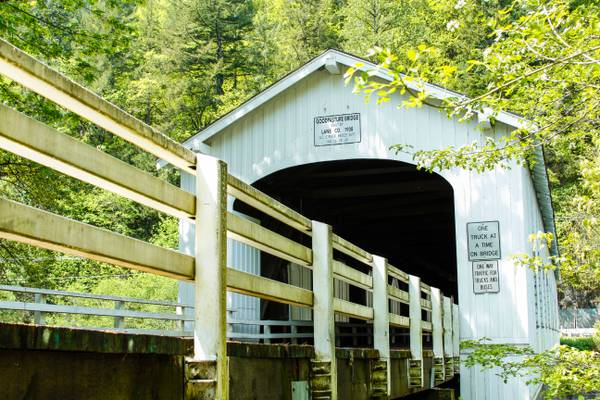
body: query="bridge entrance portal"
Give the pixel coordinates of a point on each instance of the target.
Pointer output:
(387, 206)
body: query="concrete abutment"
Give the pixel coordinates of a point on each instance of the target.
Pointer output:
(49, 362)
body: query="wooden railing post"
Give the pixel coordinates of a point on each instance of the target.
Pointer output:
(180, 310)
(38, 316)
(455, 338)
(448, 344)
(381, 328)
(294, 332)
(415, 366)
(267, 332)
(207, 374)
(119, 321)
(323, 368)
(437, 336)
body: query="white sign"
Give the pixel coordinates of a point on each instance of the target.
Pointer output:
(337, 129)
(485, 277)
(484, 240)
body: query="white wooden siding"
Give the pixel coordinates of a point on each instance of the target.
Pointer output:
(279, 134)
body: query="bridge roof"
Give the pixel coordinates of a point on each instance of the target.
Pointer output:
(331, 60)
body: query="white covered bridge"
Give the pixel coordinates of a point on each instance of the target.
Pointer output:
(312, 144)
(299, 224)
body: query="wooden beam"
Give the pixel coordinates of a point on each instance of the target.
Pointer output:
(47, 82)
(262, 202)
(426, 326)
(39, 228)
(352, 276)
(268, 289)
(397, 273)
(342, 245)
(352, 309)
(406, 200)
(248, 232)
(399, 320)
(37, 142)
(354, 173)
(397, 294)
(370, 190)
(379, 213)
(426, 304)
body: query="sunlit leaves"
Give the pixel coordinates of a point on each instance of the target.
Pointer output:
(563, 370)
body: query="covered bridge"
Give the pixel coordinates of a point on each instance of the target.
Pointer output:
(312, 144)
(297, 224)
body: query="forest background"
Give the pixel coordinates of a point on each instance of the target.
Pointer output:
(179, 65)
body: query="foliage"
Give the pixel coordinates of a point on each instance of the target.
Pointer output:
(136, 285)
(596, 336)
(563, 370)
(543, 64)
(579, 343)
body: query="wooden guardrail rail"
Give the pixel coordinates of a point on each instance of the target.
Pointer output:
(213, 223)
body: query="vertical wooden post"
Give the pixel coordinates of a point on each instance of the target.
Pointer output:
(456, 338)
(324, 368)
(209, 375)
(381, 325)
(38, 316)
(119, 321)
(448, 343)
(294, 332)
(415, 370)
(267, 332)
(437, 336)
(180, 310)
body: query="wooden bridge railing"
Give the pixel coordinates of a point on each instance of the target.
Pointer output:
(208, 208)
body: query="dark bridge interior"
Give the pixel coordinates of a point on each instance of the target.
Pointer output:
(387, 207)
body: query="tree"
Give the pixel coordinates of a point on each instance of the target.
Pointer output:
(539, 65)
(371, 23)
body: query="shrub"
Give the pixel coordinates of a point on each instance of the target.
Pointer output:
(580, 343)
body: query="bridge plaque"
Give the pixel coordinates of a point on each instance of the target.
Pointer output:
(485, 277)
(484, 240)
(337, 129)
